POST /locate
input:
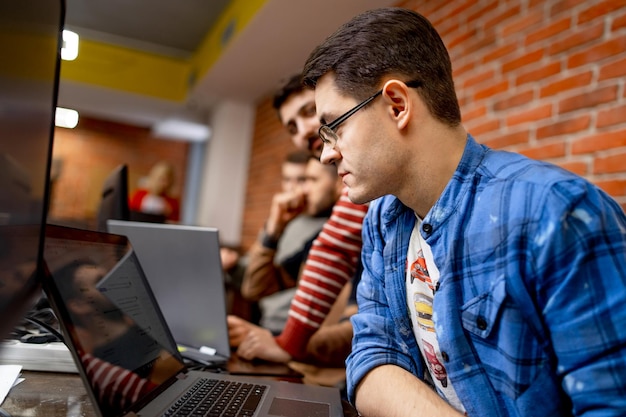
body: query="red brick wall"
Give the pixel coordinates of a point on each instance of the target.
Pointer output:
(270, 145)
(88, 154)
(544, 78)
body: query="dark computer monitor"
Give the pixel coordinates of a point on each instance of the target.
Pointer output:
(140, 216)
(114, 201)
(30, 41)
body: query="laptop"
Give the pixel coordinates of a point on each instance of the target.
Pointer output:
(124, 350)
(183, 267)
(196, 311)
(30, 40)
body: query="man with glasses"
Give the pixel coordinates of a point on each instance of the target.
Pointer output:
(493, 285)
(331, 264)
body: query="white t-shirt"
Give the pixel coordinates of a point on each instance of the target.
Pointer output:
(421, 279)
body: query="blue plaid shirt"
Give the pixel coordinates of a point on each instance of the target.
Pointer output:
(530, 311)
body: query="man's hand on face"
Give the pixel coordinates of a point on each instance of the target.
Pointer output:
(285, 207)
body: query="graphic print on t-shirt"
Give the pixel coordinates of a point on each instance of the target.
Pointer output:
(424, 310)
(424, 313)
(422, 276)
(419, 271)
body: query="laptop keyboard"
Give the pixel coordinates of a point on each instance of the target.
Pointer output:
(217, 398)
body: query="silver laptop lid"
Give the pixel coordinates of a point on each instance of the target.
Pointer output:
(183, 266)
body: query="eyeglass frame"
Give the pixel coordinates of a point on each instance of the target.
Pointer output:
(328, 129)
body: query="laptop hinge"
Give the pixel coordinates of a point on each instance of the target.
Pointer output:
(181, 375)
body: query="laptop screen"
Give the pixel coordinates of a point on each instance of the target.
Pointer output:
(30, 41)
(109, 317)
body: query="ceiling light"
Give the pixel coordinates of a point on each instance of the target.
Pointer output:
(182, 130)
(67, 118)
(69, 50)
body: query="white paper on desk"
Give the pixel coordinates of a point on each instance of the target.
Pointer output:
(8, 378)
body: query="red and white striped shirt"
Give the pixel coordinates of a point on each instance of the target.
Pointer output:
(331, 263)
(115, 386)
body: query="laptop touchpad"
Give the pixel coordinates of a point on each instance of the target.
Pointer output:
(294, 408)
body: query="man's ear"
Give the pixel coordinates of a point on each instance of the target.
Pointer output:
(396, 94)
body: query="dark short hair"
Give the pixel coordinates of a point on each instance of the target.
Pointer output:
(292, 86)
(388, 42)
(298, 157)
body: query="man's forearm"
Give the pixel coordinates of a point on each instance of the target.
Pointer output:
(330, 345)
(390, 391)
(262, 277)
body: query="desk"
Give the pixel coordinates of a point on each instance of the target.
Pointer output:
(51, 394)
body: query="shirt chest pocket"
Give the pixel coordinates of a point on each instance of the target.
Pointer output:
(504, 343)
(480, 314)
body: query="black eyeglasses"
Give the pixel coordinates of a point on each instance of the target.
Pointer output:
(327, 131)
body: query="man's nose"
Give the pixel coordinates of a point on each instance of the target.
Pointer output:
(330, 155)
(307, 128)
(300, 141)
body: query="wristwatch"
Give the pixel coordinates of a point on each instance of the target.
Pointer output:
(267, 240)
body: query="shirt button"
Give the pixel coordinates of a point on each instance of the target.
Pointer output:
(427, 228)
(444, 355)
(481, 323)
